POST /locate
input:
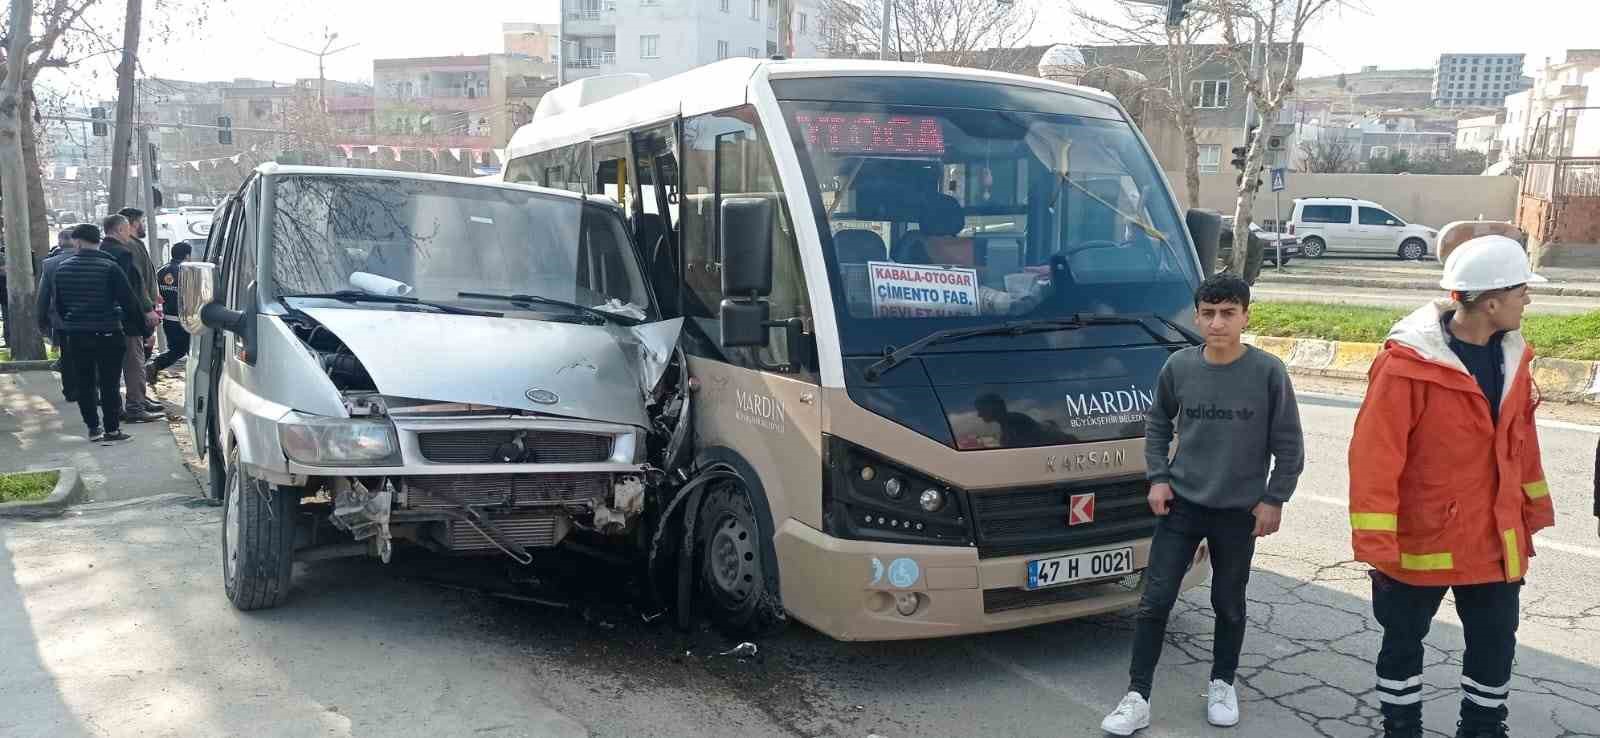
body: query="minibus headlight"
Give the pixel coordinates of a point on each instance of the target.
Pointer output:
(323, 441)
(932, 500)
(868, 497)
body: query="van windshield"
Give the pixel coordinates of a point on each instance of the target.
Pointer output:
(433, 240)
(944, 217)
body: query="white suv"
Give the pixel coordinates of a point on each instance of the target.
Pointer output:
(1347, 225)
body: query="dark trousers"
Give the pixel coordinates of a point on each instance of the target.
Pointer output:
(69, 376)
(97, 363)
(177, 345)
(1230, 536)
(1488, 615)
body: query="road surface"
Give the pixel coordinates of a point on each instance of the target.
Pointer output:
(114, 624)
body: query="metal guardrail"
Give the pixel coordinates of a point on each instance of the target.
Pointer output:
(590, 11)
(596, 61)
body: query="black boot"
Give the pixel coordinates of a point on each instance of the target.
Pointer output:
(1478, 722)
(1402, 722)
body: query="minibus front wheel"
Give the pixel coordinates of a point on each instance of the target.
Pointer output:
(733, 572)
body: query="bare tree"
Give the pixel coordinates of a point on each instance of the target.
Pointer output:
(1177, 51)
(1327, 154)
(1282, 24)
(963, 33)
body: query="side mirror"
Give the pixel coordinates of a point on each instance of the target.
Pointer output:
(1205, 229)
(197, 288)
(743, 323)
(746, 238)
(1390, 222)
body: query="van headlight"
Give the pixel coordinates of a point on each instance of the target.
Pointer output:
(323, 441)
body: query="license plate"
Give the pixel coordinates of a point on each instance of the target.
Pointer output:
(1078, 567)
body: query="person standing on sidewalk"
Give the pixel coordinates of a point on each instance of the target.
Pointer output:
(136, 408)
(1446, 484)
(177, 337)
(1234, 408)
(49, 324)
(91, 298)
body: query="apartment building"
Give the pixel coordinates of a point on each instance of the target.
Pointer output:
(664, 37)
(456, 101)
(1476, 80)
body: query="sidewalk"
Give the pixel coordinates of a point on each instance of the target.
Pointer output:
(1414, 275)
(39, 430)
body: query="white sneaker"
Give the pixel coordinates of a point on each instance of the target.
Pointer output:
(1131, 715)
(1222, 704)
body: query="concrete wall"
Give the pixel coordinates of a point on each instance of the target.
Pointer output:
(1431, 200)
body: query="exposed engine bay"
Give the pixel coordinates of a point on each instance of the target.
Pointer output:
(496, 480)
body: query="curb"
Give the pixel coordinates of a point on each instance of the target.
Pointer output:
(69, 488)
(16, 367)
(1411, 284)
(1563, 380)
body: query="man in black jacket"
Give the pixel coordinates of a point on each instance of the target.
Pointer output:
(66, 248)
(140, 326)
(92, 300)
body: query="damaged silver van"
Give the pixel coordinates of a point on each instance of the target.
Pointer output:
(469, 366)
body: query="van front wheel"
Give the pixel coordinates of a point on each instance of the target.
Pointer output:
(733, 569)
(1313, 248)
(258, 531)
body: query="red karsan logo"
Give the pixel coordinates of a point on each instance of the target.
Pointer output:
(1082, 509)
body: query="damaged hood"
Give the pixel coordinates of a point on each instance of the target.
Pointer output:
(600, 373)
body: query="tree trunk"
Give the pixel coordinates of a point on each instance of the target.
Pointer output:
(38, 228)
(1244, 206)
(1191, 154)
(122, 138)
(22, 323)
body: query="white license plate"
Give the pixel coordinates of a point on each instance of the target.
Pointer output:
(1078, 567)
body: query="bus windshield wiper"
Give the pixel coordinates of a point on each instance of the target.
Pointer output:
(520, 299)
(355, 296)
(896, 357)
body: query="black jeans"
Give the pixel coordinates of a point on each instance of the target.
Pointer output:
(177, 345)
(69, 376)
(97, 362)
(1488, 615)
(1230, 536)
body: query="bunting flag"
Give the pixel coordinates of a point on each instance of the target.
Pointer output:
(456, 152)
(349, 151)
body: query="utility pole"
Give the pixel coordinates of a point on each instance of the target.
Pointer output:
(883, 35)
(123, 135)
(327, 51)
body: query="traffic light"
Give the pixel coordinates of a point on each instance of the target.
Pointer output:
(100, 128)
(1239, 157)
(1175, 12)
(224, 130)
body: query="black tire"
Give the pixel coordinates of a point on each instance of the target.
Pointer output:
(732, 573)
(256, 572)
(1313, 248)
(1413, 249)
(216, 472)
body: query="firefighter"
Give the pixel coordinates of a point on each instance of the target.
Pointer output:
(1446, 487)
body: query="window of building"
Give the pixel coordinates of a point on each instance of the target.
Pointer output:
(755, 9)
(752, 52)
(1209, 93)
(650, 47)
(1210, 158)
(800, 22)
(722, 5)
(722, 50)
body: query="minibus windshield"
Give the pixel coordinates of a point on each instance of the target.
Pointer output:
(939, 217)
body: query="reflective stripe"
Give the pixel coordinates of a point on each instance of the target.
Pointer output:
(1426, 562)
(1513, 556)
(1482, 701)
(1535, 490)
(1501, 690)
(1391, 684)
(1373, 521)
(1409, 699)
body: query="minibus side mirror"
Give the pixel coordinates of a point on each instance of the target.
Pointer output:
(744, 323)
(1205, 229)
(197, 293)
(746, 239)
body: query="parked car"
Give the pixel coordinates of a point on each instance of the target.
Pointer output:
(1327, 225)
(1269, 253)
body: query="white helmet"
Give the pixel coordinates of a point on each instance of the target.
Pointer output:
(1487, 263)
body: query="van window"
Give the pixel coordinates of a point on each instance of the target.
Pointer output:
(724, 155)
(1325, 214)
(1376, 217)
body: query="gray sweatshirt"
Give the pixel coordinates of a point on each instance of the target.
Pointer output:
(1229, 419)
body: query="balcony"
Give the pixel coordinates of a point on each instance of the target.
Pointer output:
(594, 60)
(590, 11)
(591, 19)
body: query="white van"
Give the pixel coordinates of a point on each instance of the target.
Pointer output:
(1327, 225)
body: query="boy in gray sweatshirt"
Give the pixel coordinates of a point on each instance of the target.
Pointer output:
(1240, 452)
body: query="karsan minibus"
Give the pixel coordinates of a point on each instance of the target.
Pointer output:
(924, 311)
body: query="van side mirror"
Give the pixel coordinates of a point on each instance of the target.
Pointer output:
(746, 239)
(197, 288)
(1205, 229)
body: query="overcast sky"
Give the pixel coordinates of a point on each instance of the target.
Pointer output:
(234, 42)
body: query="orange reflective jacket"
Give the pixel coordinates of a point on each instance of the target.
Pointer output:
(1440, 494)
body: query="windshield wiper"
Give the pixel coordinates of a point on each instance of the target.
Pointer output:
(520, 299)
(355, 296)
(898, 356)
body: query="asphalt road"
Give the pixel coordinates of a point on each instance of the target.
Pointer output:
(114, 624)
(1280, 287)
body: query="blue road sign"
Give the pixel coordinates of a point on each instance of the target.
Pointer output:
(1280, 178)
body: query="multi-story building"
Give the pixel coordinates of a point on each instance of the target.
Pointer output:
(455, 101)
(1481, 134)
(541, 41)
(1547, 119)
(1476, 80)
(664, 37)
